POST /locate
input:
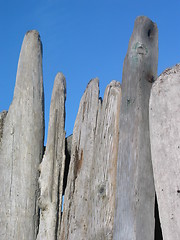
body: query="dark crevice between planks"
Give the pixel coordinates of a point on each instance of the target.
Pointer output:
(67, 160)
(68, 141)
(158, 230)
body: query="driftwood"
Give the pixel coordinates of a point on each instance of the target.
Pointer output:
(135, 195)
(165, 149)
(52, 166)
(74, 223)
(104, 169)
(22, 146)
(103, 172)
(89, 197)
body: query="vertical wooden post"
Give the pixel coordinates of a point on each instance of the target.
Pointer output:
(52, 166)
(75, 211)
(22, 146)
(104, 168)
(134, 213)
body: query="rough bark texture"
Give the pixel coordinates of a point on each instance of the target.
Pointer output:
(52, 166)
(89, 196)
(165, 149)
(21, 146)
(134, 214)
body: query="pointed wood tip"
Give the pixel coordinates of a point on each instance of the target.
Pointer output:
(93, 81)
(34, 37)
(113, 86)
(59, 84)
(60, 80)
(145, 27)
(33, 32)
(29, 72)
(114, 83)
(143, 19)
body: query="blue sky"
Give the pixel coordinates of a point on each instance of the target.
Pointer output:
(83, 39)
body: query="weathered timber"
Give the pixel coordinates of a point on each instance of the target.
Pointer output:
(21, 146)
(103, 170)
(76, 200)
(52, 166)
(135, 195)
(164, 114)
(90, 194)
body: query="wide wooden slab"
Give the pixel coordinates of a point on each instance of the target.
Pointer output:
(164, 114)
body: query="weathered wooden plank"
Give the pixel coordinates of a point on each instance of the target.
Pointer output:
(76, 200)
(90, 193)
(52, 166)
(103, 171)
(21, 146)
(134, 214)
(164, 114)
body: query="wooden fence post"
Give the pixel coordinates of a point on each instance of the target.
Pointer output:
(52, 165)
(134, 213)
(22, 145)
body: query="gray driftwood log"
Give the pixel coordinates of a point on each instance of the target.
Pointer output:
(165, 149)
(89, 197)
(21, 146)
(134, 213)
(52, 166)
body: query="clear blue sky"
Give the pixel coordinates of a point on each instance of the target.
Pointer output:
(83, 39)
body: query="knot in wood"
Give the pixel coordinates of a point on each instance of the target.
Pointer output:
(102, 190)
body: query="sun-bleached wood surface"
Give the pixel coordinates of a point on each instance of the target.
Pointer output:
(164, 111)
(52, 165)
(134, 213)
(21, 146)
(104, 168)
(89, 197)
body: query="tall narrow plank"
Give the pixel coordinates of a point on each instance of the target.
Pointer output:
(164, 114)
(52, 166)
(104, 166)
(22, 146)
(75, 211)
(134, 214)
